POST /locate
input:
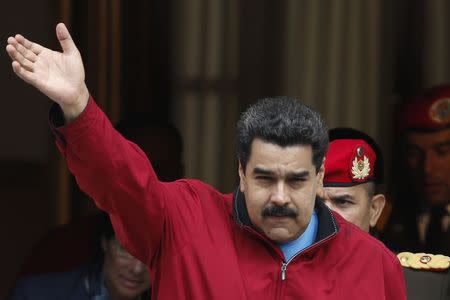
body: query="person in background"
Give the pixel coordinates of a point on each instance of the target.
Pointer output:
(67, 246)
(271, 238)
(421, 219)
(353, 175)
(113, 274)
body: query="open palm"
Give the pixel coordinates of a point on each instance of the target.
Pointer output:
(59, 75)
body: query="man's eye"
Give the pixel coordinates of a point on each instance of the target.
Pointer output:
(443, 150)
(342, 202)
(296, 180)
(264, 178)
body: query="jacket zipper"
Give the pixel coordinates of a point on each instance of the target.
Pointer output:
(283, 271)
(285, 264)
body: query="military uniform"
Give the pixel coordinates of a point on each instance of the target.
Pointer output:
(427, 277)
(422, 214)
(354, 158)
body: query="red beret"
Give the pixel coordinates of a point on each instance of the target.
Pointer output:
(429, 111)
(349, 162)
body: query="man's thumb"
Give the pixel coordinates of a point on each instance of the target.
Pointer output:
(64, 38)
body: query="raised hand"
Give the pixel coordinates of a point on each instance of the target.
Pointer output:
(59, 75)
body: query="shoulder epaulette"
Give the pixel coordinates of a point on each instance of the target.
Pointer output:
(424, 261)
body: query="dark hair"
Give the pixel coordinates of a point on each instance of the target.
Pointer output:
(103, 229)
(371, 188)
(283, 121)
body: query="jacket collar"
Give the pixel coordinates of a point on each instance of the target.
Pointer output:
(327, 223)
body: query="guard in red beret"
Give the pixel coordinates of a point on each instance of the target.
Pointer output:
(429, 112)
(423, 174)
(353, 170)
(353, 175)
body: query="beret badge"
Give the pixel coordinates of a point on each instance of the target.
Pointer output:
(360, 165)
(440, 111)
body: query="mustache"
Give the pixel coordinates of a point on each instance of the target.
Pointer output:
(279, 211)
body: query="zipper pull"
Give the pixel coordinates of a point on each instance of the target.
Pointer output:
(283, 270)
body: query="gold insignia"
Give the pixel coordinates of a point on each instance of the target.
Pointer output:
(424, 261)
(440, 111)
(360, 151)
(360, 168)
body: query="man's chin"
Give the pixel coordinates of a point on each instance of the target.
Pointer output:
(280, 235)
(129, 292)
(278, 220)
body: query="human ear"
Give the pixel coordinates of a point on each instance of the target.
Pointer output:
(321, 173)
(241, 171)
(376, 207)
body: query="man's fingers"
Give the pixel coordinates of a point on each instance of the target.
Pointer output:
(19, 58)
(10, 49)
(12, 41)
(27, 65)
(33, 47)
(28, 54)
(15, 49)
(22, 73)
(12, 52)
(64, 38)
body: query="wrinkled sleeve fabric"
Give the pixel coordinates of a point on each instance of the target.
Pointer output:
(119, 177)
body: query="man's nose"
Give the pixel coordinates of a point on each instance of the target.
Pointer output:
(138, 267)
(429, 162)
(279, 195)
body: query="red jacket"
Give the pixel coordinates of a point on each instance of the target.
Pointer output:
(199, 243)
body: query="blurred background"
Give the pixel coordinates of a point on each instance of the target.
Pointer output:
(198, 64)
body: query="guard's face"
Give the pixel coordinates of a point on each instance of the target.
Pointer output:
(353, 203)
(428, 158)
(125, 276)
(280, 186)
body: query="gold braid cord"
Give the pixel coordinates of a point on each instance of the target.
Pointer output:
(424, 261)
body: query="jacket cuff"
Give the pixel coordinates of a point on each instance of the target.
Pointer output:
(67, 134)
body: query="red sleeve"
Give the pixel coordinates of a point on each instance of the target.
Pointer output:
(119, 177)
(394, 280)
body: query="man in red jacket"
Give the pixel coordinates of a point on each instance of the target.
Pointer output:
(270, 239)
